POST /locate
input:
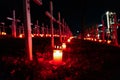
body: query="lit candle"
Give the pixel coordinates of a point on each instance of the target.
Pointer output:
(57, 56)
(63, 45)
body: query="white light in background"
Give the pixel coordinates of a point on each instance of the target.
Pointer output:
(77, 31)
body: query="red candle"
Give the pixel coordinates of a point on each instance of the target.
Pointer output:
(57, 56)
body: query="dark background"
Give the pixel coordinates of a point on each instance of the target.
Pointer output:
(77, 13)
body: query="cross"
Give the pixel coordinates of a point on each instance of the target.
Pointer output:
(50, 15)
(36, 30)
(52, 19)
(14, 20)
(27, 25)
(3, 28)
(63, 24)
(115, 30)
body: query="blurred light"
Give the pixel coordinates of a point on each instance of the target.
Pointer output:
(56, 35)
(21, 36)
(57, 47)
(37, 34)
(98, 36)
(63, 45)
(95, 39)
(84, 38)
(92, 39)
(68, 40)
(3, 33)
(100, 25)
(107, 12)
(71, 37)
(48, 35)
(77, 31)
(109, 41)
(88, 35)
(32, 35)
(41, 35)
(100, 40)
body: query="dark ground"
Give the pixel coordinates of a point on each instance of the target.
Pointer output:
(84, 60)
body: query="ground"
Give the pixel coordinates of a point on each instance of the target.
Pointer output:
(83, 60)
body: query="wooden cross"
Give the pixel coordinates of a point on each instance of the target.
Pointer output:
(3, 27)
(50, 15)
(14, 20)
(27, 25)
(115, 30)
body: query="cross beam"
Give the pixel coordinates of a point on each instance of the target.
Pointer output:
(52, 19)
(38, 2)
(27, 25)
(9, 18)
(57, 21)
(50, 15)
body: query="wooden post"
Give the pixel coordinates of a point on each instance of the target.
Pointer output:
(14, 25)
(0, 31)
(51, 25)
(37, 28)
(43, 28)
(103, 29)
(63, 25)
(59, 27)
(27, 25)
(47, 32)
(115, 30)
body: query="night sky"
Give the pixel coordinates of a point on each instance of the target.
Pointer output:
(77, 13)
